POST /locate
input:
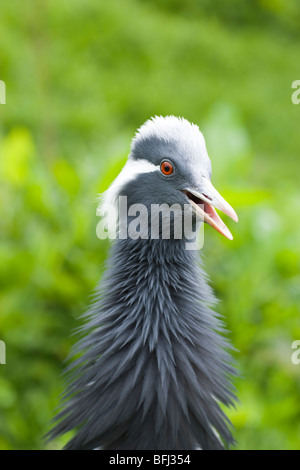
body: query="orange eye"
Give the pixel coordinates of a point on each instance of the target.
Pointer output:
(166, 168)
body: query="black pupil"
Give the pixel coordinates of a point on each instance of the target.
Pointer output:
(167, 168)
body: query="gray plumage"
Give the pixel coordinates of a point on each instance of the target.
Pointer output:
(154, 365)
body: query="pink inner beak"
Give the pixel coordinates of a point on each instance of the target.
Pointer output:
(203, 203)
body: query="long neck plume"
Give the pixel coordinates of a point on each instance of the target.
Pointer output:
(154, 365)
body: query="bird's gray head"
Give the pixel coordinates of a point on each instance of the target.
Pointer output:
(169, 164)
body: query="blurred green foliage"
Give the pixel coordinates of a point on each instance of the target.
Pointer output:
(80, 78)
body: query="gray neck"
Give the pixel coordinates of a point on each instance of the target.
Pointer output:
(155, 366)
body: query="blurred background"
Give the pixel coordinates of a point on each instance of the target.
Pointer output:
(80, 78)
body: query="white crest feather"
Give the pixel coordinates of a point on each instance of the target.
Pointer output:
(130, 171)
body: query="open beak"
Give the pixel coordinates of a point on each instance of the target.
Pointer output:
(203, 204)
